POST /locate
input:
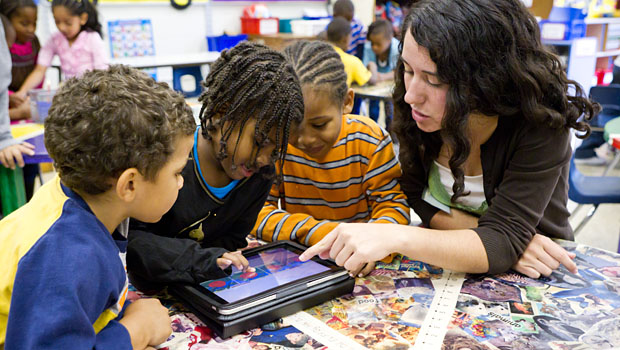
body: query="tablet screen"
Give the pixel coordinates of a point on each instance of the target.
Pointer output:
(274, 267)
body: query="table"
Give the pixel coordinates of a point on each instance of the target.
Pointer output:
(174, 61)
(402, 304)
(381, 92)
(278, 41)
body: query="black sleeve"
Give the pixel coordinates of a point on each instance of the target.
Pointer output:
(155, 261)
(413, 182)
(525, 190)
(235, 238)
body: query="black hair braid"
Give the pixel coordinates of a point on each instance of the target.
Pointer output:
(317, 64)
(251, 81)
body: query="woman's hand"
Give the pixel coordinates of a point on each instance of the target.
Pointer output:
(542, 256)
(353, 245)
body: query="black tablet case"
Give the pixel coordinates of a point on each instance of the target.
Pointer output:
(228, 325)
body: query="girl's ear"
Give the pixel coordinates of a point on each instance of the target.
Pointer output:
(349, 99)
(83, 18)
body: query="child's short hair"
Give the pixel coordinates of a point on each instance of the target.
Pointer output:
(338, 29)
(251, 81)
(344, 8)
(380, 26)
(111, 120)
(317, 64)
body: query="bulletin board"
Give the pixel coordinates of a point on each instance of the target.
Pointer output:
(131, 38)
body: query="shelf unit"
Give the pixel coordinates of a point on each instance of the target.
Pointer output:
(587, 54)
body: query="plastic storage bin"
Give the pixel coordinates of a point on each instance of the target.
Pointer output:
(259, 25)
(285, 25)
(564, 23)
(309, 27)
(40, 103)
(219, 43)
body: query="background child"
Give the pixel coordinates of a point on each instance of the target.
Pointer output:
(381, 56)
(345, 9)
(78, 43)
(10, 150)
(339, 168)
(119, 141)
(252, 101)
(24, 51)
(338, 32)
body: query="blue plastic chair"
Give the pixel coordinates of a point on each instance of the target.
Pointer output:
(593, 190)
(609, 98)
(178, 72)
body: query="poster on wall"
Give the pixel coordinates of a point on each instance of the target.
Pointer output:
(131, 38)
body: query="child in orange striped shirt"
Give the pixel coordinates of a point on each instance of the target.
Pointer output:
(340, 168)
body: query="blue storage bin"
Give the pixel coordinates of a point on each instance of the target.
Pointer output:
(564, 23)
(219, 43)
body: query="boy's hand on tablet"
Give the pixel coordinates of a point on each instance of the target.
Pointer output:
(236, 259)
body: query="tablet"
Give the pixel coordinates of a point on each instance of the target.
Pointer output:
(278, 273)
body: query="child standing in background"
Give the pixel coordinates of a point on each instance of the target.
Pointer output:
(24, 51)
(381, 57)
(78, 43)
(251, 102)
(10, 149)
(345, 9)
(341, 168)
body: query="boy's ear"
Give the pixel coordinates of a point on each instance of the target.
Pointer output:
(127, 183)
(83, 18)
(349, 100)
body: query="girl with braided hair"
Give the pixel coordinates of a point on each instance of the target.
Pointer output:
(251, 102)
(484, 114)
(78, 43)
(339, 168)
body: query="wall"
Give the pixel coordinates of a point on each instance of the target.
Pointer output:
(178, 31)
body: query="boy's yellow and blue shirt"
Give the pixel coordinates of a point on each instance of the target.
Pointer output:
(356, 181)
(64, 283)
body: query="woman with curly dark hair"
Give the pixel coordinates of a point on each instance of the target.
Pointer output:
(483, 113)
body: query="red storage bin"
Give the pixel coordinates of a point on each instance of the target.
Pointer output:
(259, 25)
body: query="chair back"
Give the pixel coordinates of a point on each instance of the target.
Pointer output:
(584, 189)
(609, 99)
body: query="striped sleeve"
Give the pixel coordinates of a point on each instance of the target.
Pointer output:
(388, 202)
(274, 224)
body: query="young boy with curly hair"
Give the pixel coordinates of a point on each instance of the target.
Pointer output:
(119, 141)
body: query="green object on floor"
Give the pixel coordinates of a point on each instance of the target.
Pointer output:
(12, 192)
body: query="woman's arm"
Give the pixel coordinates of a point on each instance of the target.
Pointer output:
(352, 245)
(457, 219)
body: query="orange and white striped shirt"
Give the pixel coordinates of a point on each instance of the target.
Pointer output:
(357, 181)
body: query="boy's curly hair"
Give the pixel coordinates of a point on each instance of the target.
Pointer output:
(111, 120)
(251, 81)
